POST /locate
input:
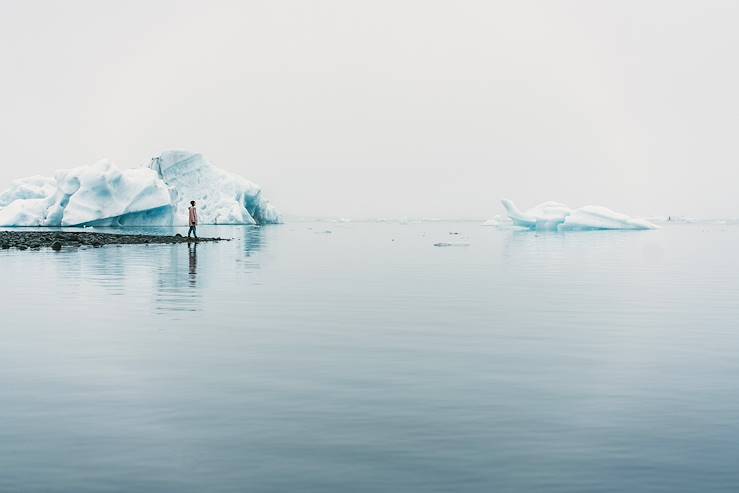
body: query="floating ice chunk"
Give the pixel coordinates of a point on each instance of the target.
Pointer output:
(104, 195)
(451, 244)
(673, 220)
(554, 216)
(498, 220)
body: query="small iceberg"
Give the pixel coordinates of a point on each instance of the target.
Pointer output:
(554, 216)
(497, 221)
(451, 244)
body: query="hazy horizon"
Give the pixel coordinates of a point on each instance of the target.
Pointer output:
(389, 109)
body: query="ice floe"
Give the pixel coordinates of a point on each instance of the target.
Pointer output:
(555, 216)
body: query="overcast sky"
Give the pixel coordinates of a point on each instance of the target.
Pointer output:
(389, 108)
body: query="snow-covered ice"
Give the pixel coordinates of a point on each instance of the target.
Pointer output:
(554, 216)
(155, 195)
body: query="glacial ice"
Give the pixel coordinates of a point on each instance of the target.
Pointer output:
(554, 216)
(155, 195)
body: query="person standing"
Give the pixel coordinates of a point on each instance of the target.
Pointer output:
(193, 214)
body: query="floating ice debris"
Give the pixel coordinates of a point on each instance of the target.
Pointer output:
(673, 220)
(158, 195)
(554, 216)
(498, 220)
(454, 244)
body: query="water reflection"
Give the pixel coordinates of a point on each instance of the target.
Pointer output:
(167, 280)
(192, 249)
(176, 288)
(569, 353)
(109, 269)
(253, 238)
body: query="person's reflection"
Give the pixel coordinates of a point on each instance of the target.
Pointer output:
(193, 251)
(177, 289)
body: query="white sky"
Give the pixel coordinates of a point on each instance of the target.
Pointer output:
(389, 108)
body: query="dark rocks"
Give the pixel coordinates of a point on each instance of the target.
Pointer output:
(23, 240)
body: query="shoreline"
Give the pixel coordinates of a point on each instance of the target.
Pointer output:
(35, 240)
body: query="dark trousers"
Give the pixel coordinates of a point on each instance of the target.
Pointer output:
(192, 231)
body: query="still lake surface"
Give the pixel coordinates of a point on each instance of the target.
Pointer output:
(368, 360)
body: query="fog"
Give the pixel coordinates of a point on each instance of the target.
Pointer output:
(389, 108)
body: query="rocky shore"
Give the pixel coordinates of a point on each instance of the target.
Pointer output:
(25, 240)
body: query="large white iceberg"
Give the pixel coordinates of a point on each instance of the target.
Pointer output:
(155, 195)
(553, 216)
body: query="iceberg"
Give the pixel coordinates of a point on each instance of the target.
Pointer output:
(155, 195)
(554, 216)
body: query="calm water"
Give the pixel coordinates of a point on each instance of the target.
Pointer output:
(368, 360)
